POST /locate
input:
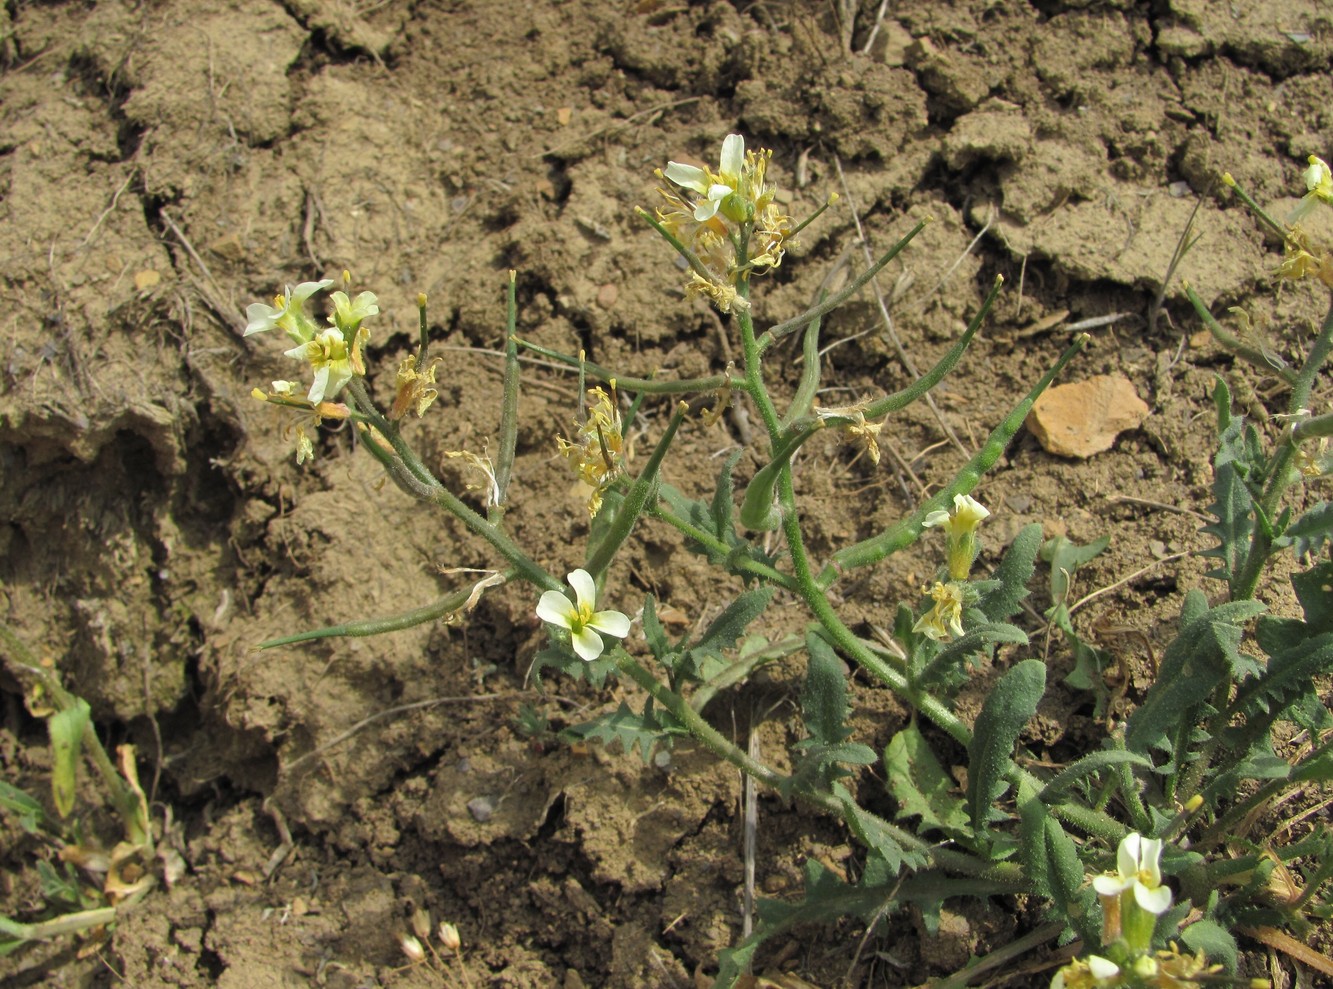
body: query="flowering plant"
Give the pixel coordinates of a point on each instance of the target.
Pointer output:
(1013, 827)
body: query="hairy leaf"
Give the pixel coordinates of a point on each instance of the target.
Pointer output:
(722, 633)
(1203, 654)
(878, 835)
(1308, 533)
(919, 783)
(824, 698)
(723, 509)
(1213, 940)
(1314, 590)
(1089, 765)
(30, 814)
(1065, 558)
(1233, 504)
(642, 731)
(1012, 576)
(655, 633)
(949, 660)
(1006, 710)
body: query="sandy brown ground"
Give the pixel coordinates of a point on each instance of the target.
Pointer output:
(166, 163)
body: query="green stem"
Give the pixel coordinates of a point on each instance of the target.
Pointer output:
(775, 333)
(808, 386)
(906, 532)
(407, 457)
(649, 386)
(707, 539)
(504, 464)
(123, 797)
(522, 564)
(720, 746)
(1234, 345)
(636, 500)
(451, 603)
(902, 399)
(1280, 471)
(696, 265)
(754, 373)
(816, 600)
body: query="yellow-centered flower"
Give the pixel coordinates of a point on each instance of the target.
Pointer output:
(580, 618)
(960, 529)
(1138, 868)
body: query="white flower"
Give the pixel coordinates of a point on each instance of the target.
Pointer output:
(967, 514)
(1319, 179)
(1138, 866)
(583, 623)
(714, 187)
(348, 313)
(328, 354)
(960, 529)
(288, 315)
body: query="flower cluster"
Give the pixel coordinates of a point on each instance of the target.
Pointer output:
(335, 352)
(730, 226)
(598, 448)
(944, 620)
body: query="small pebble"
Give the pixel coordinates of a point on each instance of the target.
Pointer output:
(607, 295)
(481, 809)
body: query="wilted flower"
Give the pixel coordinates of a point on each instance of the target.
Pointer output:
(415, 389)
(578, 616)
(1090, 972)
(960, 528)
(481, 465)
(945, 618)
(858, 425)
(598, 449)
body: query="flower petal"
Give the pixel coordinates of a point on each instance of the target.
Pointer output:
(306, 289)
(733, 157)
(588, 644)
(320, 386)
(687, 176)
(969, 510)
(1108, 885)
(1127, 856)
(610, 622)
(260, 317)
(1156, 900)
(585, 589)
(937, 517)
(1150, 859)
(706, 209)
(555, 608)
(1102, 968)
